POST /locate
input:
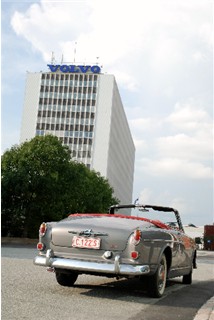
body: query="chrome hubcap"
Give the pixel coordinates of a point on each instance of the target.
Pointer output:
(162, 276)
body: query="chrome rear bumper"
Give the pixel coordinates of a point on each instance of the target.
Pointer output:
(115, 268)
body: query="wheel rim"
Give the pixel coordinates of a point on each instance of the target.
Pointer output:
(162, 276)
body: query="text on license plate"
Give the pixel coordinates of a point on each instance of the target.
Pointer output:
(82, 242)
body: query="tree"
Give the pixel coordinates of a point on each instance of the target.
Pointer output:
(93, 194)
(40, 183)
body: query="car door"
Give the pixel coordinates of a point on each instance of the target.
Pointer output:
(184, 249)
(177, 249)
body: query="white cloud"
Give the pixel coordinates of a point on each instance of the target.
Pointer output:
(179, 145)
(119, 33)
(193, 134)
(206, 33)
(176, 168)
(146, 196)
(125, 80)
(48, 25)
(163, 198)
(190, 117)
(142, 125)
(183, 146)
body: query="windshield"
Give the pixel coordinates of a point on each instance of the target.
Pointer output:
(165, 217)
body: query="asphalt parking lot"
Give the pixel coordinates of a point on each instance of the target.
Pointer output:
(29, 292)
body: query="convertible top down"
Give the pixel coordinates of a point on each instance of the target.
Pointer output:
(118, 245)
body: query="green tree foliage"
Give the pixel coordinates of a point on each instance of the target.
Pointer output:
(41, 183)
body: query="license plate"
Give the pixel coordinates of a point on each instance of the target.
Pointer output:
(89, 243)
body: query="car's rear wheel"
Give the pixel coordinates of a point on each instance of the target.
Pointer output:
(187, 278)
(157, 282)
(66, 279)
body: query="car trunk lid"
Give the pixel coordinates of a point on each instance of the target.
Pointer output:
(113, 234)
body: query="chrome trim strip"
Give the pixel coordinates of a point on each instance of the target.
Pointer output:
(158, 240)
(179, 268)
(88, 266)
(88, 233)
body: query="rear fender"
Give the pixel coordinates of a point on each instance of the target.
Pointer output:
(46, 239)
(168, 254)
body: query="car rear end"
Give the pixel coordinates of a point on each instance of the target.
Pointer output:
(95, 244)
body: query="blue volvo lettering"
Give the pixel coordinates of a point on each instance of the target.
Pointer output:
(72, 68)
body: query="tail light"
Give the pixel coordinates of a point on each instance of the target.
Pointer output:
(136, 237)
(40, 246)
(42, 229)
(134, 254)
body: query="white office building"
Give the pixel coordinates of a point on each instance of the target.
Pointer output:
(83, 108)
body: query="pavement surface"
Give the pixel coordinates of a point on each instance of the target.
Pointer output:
(206, 312)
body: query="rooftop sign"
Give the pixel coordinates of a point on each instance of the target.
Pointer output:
(75, 69)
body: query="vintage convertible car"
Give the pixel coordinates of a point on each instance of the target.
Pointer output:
(118, 245)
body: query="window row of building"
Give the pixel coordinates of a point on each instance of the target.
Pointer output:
(65, 114)
(70, 76)
(73, 142)
(68, 96)
(65, 89)
(81, 154)
(73, 123)
(65, 128)
(69, 108)
(62, 126)
(77, 143)
(67, 83)
(67, 121)
(73, 102)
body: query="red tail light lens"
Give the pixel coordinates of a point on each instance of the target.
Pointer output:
(134, 254)
(40, 246)
(42, 229)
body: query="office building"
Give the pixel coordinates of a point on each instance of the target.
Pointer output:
(83, 108)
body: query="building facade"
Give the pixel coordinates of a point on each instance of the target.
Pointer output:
(84, 110)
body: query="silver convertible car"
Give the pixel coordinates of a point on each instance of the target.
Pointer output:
(118, 245)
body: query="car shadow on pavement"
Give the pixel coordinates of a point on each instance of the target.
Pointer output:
(124, 289)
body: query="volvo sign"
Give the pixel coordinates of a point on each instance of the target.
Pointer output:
(72, 68)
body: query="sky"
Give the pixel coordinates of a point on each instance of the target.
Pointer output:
(161, 54)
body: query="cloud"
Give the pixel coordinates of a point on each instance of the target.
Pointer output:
(175, 168)
(205, 33)
(49, 25)
(163, 198)
(149, 124)
(193, 134)
(146, 196)
(119, 33)
(189, 117)
(179, 145)
(183, 146)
